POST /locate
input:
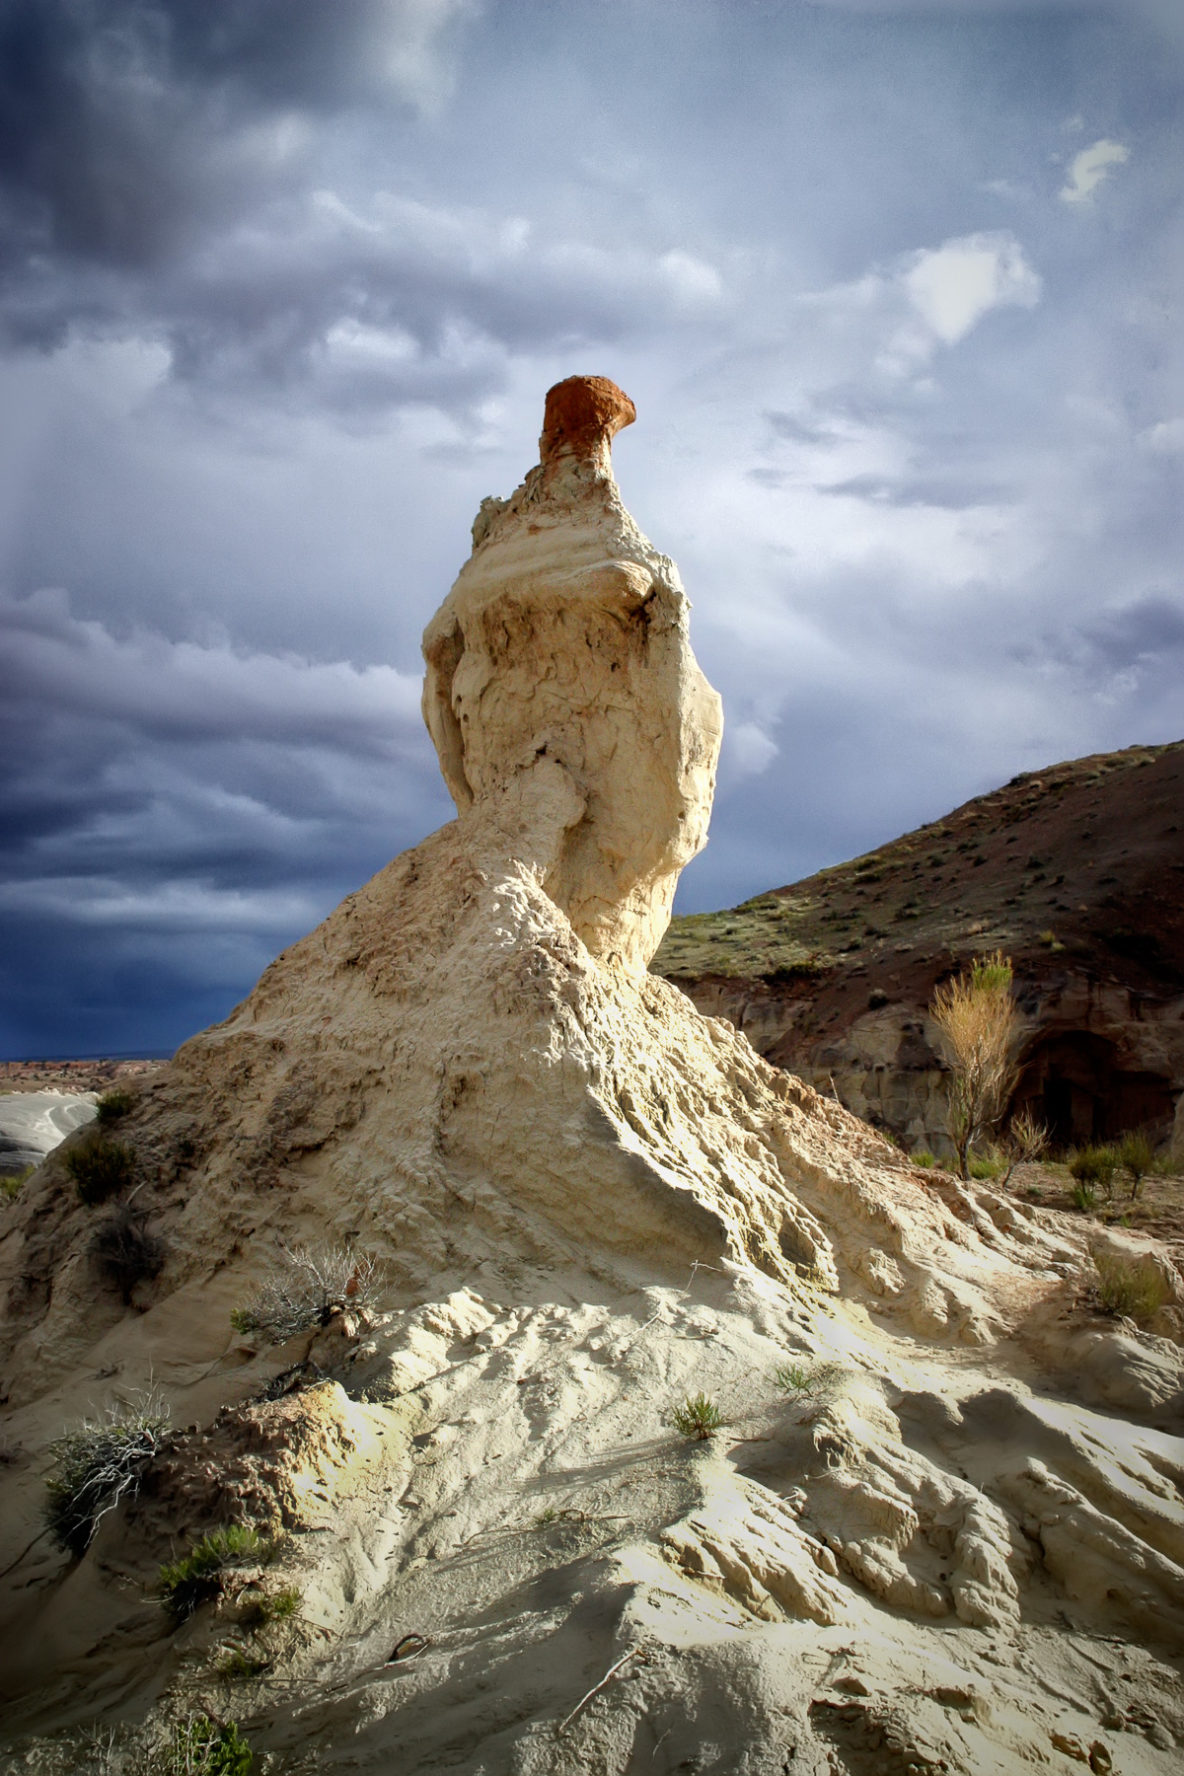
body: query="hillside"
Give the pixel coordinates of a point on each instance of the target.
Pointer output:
(1076, 873)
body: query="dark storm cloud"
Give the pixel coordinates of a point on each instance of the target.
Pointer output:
(162, 797)
(160, 170)
(127, 125)
(282, 284)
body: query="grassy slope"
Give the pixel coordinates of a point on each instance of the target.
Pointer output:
(1083, 859)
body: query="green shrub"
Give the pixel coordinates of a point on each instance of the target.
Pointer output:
(1095, 1165)
(924, 1158)
(184, 1585)
(698, 1417)
(1083, 1196)
(1136, 1156)
(98, 1464)
(100, 1168)
(112, 1105)
(308, 1286)
(1130, 1287)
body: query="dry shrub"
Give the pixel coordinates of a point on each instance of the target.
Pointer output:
(125, 1252)
(980, 1028)
(99, 1463)
(310, 1285)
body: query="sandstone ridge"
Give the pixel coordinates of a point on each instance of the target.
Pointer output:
(941, 1526)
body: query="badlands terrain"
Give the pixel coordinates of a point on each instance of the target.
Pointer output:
(934, 1522)
(1075, 872)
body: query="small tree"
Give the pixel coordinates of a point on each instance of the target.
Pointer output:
(980, 1027)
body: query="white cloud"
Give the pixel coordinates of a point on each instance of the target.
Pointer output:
(954, 286)
(1166, 438)
(901, 312)
(1090, 167)
(749, 749)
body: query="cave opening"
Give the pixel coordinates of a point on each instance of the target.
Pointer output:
(1073, 1083)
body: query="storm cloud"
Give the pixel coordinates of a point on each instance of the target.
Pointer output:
(282, 285)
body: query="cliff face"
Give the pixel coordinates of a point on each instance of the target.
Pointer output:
(599, 1221)
(1076, 873)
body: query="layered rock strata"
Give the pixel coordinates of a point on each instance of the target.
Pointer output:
(940, 1525)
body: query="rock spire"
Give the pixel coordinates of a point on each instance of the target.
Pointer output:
(562, 695)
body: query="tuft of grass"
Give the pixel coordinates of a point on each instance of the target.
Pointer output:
(194, 1746)
(12, 1183)
(205, 1747)
(266, 1607)
(1131, 1288)
(100, 1168)
(200, 1576)
(98, 1464)
(112, 1105)
(923, 1158)
(308, 1286)
(809, 1381)
(1083, 1196)
(698, 1417)
(242, 1667)
(984, 1165)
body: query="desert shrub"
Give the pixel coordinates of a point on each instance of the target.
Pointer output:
(124, 1251)
(203, 1747)
(697, 1417)
(308, 1286)
(1083, 1196)
(1025, 1141)
(200, 1576)
(980, 1027)
(112, 1105)
(98, 1464)
(922, 1157)
(809, 1381)
(1136, 1156)
(100, 1168)
(1095, 1165)
(1130, 1287)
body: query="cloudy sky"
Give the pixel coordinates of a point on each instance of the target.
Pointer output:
(895, 285)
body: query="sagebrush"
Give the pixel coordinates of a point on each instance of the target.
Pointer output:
(98, 1464)
(308, 1285)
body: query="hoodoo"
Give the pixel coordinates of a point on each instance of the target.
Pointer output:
(603, 1397)
(562, 695)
